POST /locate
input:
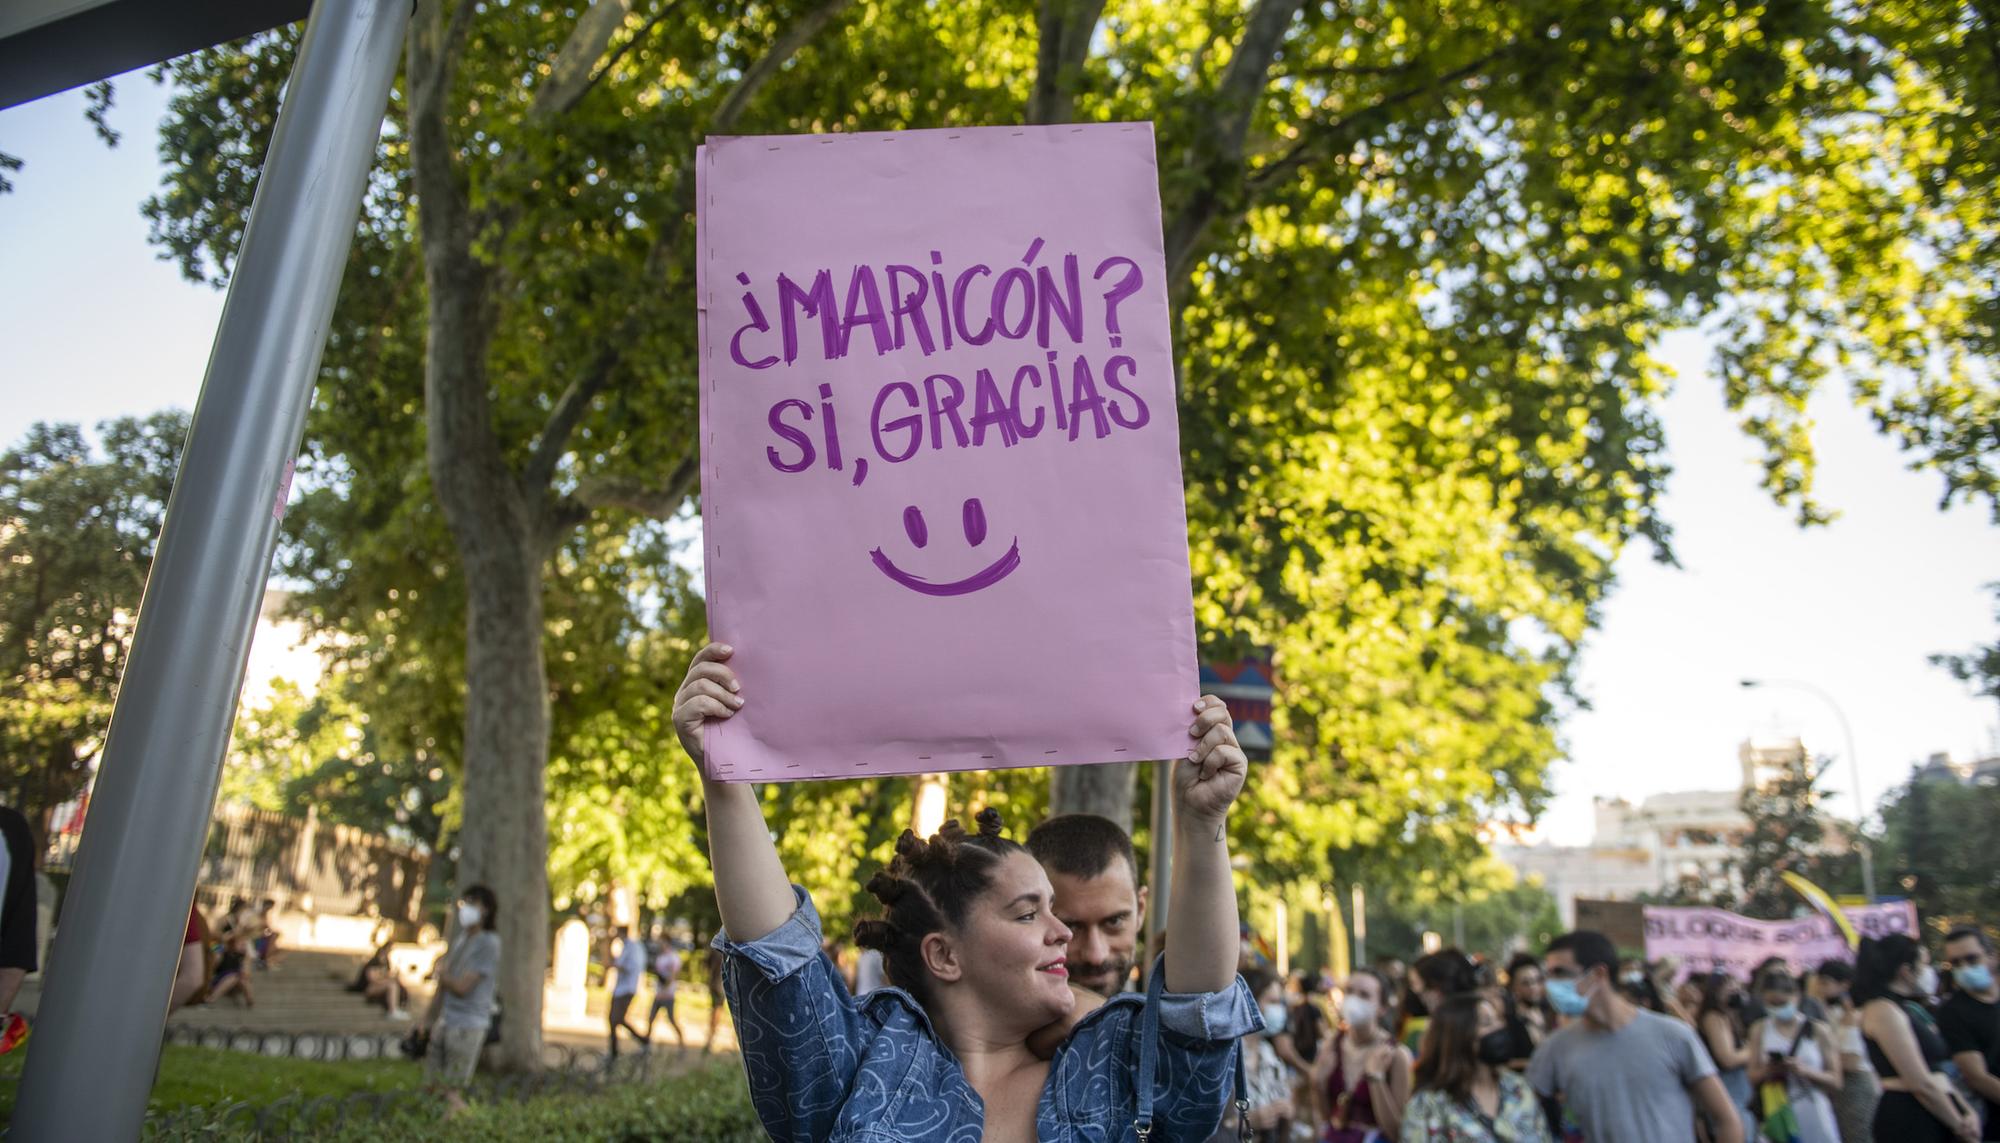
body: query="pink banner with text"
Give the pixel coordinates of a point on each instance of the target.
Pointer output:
(943, 516)
(1707, 939)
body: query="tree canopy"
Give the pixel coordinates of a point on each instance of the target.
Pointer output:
(1419, 254)
(77, 526)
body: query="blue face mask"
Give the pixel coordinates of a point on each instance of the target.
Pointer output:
(1785, 1014)
(1973, 977)
(1565, 998)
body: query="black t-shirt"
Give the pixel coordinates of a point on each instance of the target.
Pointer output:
(17, 893)
(1970, 1024)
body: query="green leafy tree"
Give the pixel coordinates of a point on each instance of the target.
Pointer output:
(1417, 255)
(77, 529)
(1979, 667)
(1933, 848)
(1486, 903)
(1788, 834)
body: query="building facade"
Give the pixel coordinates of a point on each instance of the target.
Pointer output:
(1662, 842)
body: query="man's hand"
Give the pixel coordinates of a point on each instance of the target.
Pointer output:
(1044, 1041)
(710, 692)
(1210, 777)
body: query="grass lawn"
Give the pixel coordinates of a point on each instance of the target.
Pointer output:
(191, 1076)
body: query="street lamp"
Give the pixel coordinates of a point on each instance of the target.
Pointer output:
(1853, 760)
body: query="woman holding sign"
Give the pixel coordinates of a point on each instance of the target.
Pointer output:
(977, 960)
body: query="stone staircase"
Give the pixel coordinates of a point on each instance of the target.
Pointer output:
(306, 991)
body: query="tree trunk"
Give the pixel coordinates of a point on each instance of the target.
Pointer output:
(1105, 789)
(505, 844)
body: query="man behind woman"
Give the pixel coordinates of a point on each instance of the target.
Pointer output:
(976, 957)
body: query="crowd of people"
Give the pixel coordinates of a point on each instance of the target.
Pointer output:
(999, 996)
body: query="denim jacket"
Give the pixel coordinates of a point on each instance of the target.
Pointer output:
(826, 1067)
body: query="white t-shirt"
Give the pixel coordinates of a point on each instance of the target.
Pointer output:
(668, 966)
(631, 963)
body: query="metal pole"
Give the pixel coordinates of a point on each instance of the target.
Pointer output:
(1854, 764)
(113, 963)
(1163, 860)
(1360, 899)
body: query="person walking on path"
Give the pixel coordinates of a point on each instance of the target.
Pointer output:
(666, 982)
(628, 965)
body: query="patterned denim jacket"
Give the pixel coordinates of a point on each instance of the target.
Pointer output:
(825, 1067)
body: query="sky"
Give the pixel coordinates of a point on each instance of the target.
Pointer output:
(96, 327)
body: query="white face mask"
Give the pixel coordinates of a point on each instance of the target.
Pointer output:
(1358, 1010)
(1927, 980)
(469, 915)
(1274, 1018)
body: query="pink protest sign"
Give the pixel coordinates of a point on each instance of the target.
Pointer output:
(1706, 939)
(941, 490)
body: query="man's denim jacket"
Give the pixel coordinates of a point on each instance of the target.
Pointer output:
(826, 1067)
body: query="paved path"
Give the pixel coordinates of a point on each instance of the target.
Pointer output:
(306, 992)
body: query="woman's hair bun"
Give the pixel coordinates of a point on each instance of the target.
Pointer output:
(874, 934)
(887, 888)
(990, 824)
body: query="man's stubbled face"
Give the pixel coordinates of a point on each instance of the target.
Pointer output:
(1106, 915)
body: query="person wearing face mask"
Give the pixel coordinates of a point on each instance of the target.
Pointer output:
(1894, 980)
(1832, 984)
(1361, 1079)
(462, 1007)
(1435, 976)
(1719, 1019)
(1970, 1020)
(1529, 1016)
(1797, 1052)
(1268, 1078)
(1465, 1093)
(1622, 1073)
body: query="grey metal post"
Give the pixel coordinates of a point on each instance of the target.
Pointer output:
(1162, 873)
(96, 1046)
(1360, 899)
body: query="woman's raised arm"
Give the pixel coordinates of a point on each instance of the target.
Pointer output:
(751, 888)
(1201, 911)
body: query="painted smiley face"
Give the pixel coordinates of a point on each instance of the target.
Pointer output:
(975, 534)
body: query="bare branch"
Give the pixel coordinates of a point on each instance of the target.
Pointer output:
(1320, 138)
(638, 37)
(575, 66)
(576, 398)
(783, 48)
(1065, 28)
(1217, 148)
(660, 501)
(570, 408)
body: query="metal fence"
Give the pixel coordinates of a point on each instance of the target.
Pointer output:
(301, 863)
